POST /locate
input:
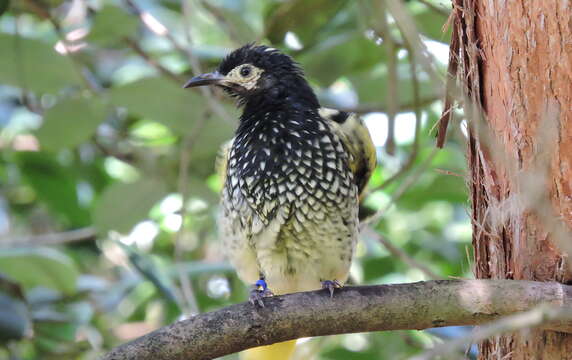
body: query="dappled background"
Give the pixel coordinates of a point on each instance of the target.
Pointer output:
(107, 187)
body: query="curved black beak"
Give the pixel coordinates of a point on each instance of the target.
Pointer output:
(205, 79)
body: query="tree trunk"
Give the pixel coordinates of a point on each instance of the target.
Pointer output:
(513, 61)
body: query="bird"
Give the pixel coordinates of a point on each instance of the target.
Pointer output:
(293, 176)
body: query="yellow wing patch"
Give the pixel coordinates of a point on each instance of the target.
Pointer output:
(357, 140)
(278, 351)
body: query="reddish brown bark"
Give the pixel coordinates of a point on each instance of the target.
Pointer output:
(515, 72)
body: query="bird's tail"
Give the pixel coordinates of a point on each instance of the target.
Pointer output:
(278, 351)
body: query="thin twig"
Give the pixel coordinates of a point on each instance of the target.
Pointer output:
(207, 92)
(49, 239)
(154, 63)
(441, 10)
(78, 66)
(409, 31)
(224, 24)
(194, 62)
(373, 22)
(127, 157)
(188, 299)
(397, 252)
(417, 109)
(407, 27)
(449, 173)
(21, 73)
(416, 102)
(382, 108)
(392, 99)
(529, 319)
(166, 34)
(406, 184)
(187, 145)
(447, 114)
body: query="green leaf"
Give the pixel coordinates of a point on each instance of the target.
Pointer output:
(121, 205)
(372, 86)
(34, 65)
(160, 100)
(55, 184)
(40, 267)
(151, 133)
(111, 25)
(213, 134)
(70, 123)
(32, 7)
(341, 55)
(15, 319)
(198, 188)
(344, 354)
(375, 268)
(233, 22)
(151, 270)
(304, 18)
(4, 5)
(435, 187)
(59, 332)
(430, 23)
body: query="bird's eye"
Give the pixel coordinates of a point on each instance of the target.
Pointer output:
(245, 71)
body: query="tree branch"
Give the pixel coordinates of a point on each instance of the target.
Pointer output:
(369, 108)
(66, 237)
(397, 252)
(418, 305)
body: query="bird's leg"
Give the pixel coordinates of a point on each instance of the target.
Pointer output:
(331, 285)
(259, 292)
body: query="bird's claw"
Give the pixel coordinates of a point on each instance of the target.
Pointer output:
(259, 292)
(331, 285)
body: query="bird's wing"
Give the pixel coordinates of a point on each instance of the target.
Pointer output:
(357, 140)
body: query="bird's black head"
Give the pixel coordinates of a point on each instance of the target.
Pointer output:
(260, 76)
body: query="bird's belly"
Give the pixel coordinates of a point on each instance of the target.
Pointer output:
(235, 229)
(300, 262)
(293, 252)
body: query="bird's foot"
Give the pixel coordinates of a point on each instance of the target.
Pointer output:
(331, 285)
(259, 292)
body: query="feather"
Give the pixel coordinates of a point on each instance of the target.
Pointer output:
(357, 141)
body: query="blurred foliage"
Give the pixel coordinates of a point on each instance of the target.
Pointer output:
(107, 186)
